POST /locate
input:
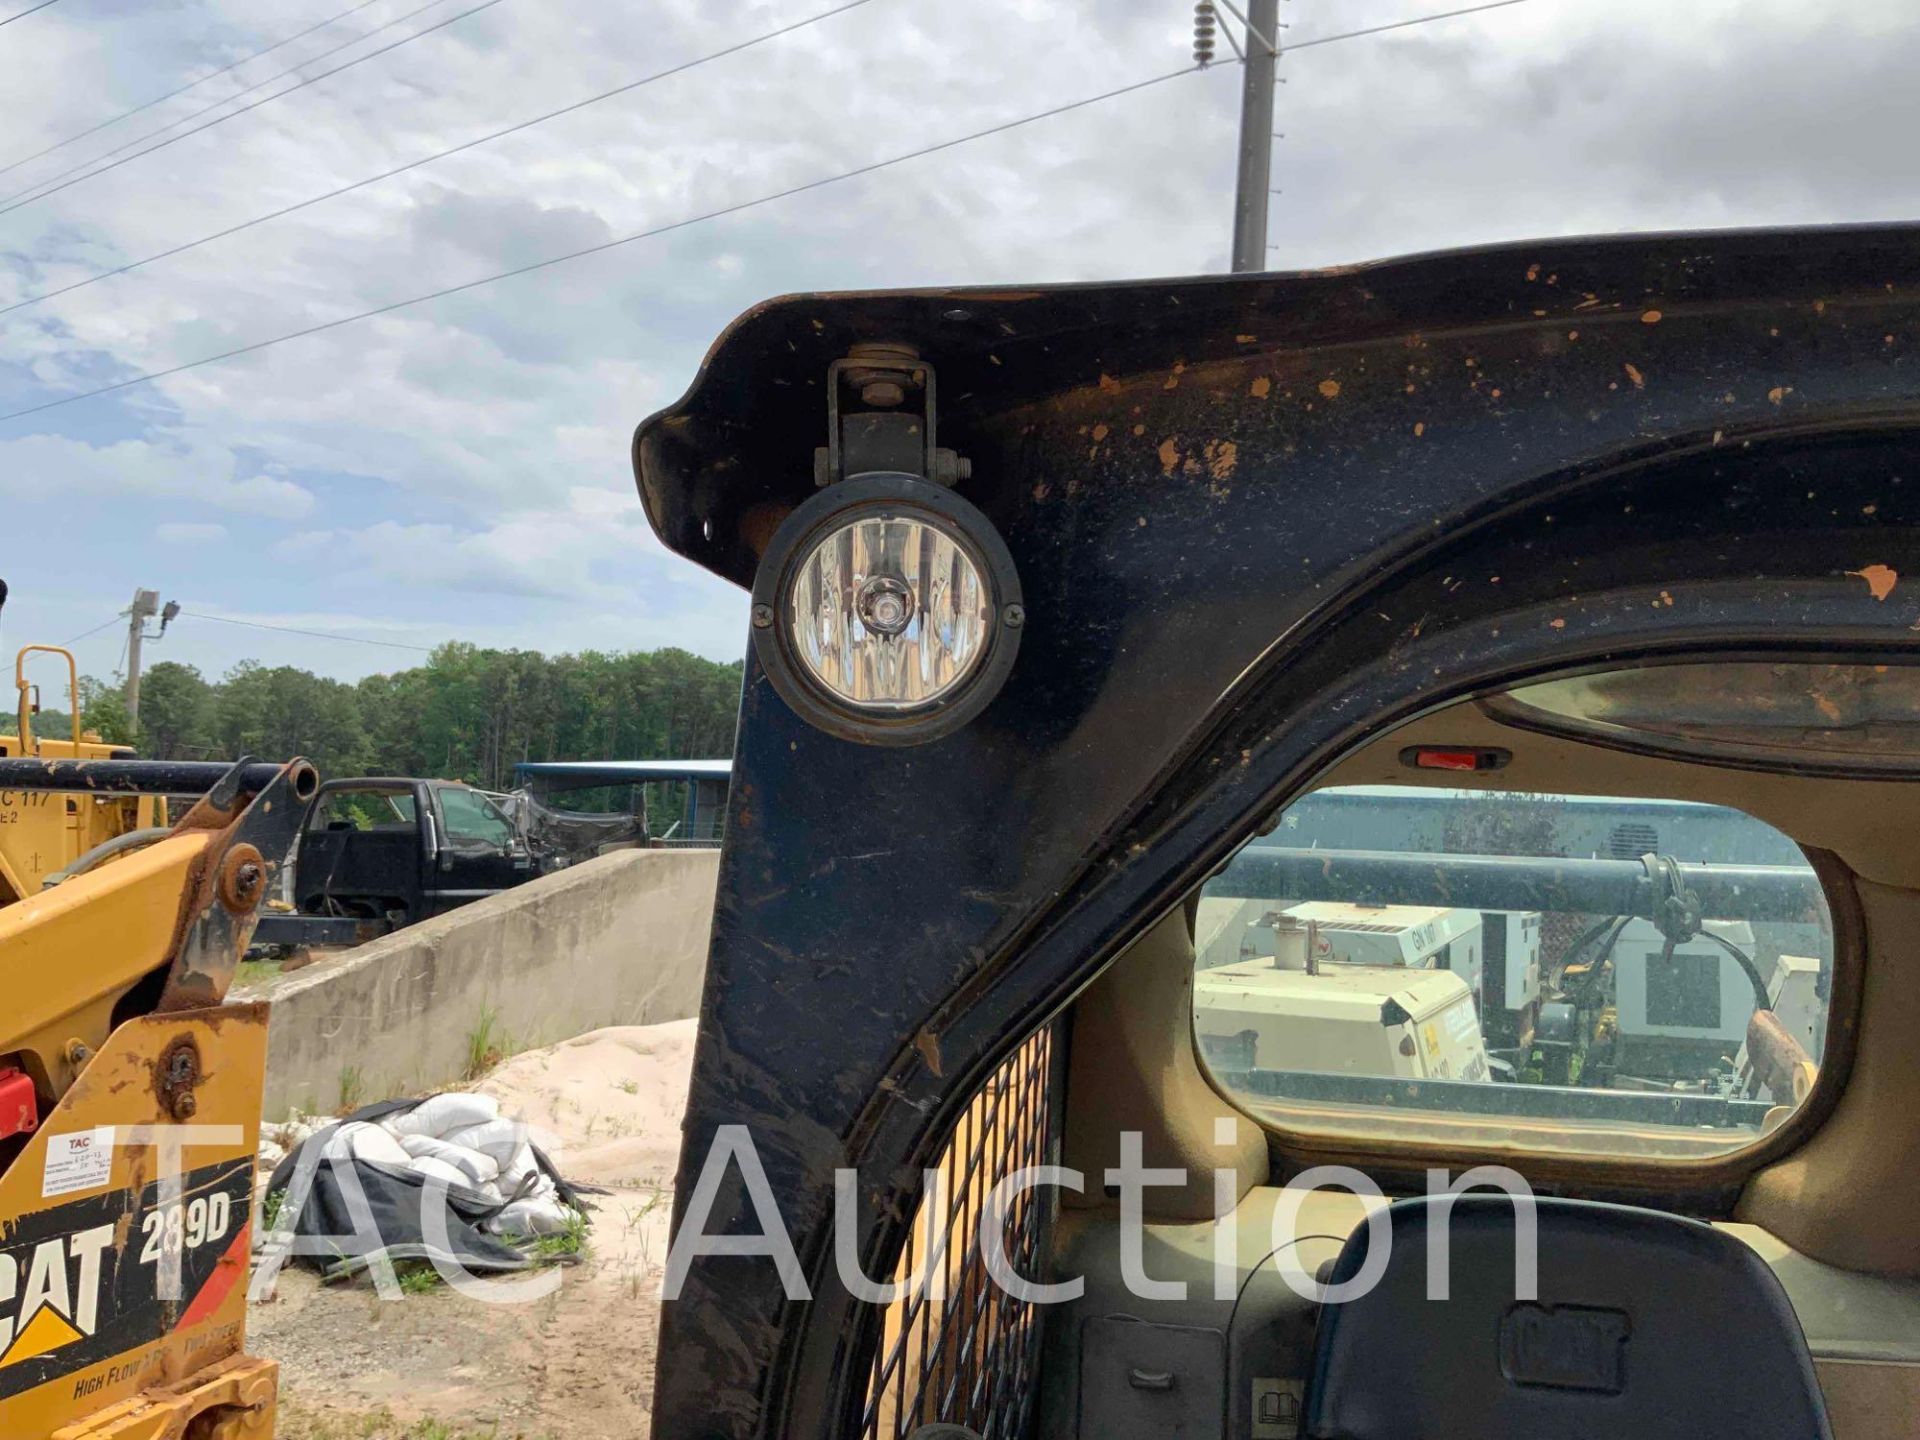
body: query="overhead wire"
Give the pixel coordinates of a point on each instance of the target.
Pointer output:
(190, 85)
(464, 145)
(720, 212)
(40, 190)
(64, 644)
(1395, 25)
(212, 105)
(30, 10)
(313, 634)
(552, 260)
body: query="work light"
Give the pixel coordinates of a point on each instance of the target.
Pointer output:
(887, 610)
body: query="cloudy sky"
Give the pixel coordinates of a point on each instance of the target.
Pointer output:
(458, 469)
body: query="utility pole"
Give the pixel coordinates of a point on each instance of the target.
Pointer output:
(146, 604)
(1256, 135)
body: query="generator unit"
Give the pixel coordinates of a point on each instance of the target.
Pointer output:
(1345, 1020)
(1407, 937)
(1680, 1013)
(1510, 980)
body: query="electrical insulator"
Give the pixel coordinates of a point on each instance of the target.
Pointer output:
(1204, 22)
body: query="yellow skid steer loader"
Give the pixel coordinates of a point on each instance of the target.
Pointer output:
(130, 1111)
(46, 836)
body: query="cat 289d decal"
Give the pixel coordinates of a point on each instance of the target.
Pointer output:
(74, 1292)
(123, 1290)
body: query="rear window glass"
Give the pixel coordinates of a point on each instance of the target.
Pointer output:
(1642, 977)
(362, 810)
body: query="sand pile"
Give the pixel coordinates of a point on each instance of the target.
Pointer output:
(611, 1101)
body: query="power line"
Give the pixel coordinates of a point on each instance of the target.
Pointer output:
(312, 634)
(720, 213)
(66, 644)
(604, 245)
(285, 210)
(191, 84)
(42, 188)
(1396, 25)
(178, 121)
(71, 178)
(30, 10)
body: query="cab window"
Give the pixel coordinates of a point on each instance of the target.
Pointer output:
(1570, 973)
(363, 810)
(473, 822)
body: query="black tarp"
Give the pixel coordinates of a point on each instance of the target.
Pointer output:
(396, 1203)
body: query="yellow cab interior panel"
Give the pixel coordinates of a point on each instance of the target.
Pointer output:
(1449, 715)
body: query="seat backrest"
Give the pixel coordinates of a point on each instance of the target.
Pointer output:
(1645, 1326)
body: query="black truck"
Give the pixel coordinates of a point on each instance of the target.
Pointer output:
(380, 853)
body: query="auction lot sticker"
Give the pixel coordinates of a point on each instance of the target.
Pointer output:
(82, 1160)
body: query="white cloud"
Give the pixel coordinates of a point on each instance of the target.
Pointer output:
(478, 445)
(150, 469)
(183, 532)
(590, 548)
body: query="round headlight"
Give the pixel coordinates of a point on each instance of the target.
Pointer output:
(890, 612)
(887, 609)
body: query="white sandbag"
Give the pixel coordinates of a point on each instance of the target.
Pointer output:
(451, 1175)
(526, 1217)
(362, 1141)
(441, 1115)
(520, 1167)
(298, 1130)
(498, 1138)
(478, 1168)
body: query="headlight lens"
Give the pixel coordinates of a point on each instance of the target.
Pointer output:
(890, 612)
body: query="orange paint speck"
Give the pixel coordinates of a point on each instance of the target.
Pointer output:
(1880, 579)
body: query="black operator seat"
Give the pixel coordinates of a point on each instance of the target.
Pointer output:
(1645, 1327)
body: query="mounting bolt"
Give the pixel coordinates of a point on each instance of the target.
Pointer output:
(949, 468)
(762, 617)
(243, 879)
(184, 1105)
(1014, 616)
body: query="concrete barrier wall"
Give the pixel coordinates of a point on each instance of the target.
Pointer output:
(619, 940)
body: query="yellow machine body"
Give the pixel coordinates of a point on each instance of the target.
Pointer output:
(97, 1342)
(126, 1201)
(44, 831)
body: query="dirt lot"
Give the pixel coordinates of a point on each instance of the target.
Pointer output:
(578, 1363)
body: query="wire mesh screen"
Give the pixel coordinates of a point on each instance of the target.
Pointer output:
(956, 1346)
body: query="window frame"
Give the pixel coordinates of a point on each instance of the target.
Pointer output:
(468, 843)
(1710, 1182)
(394, 795)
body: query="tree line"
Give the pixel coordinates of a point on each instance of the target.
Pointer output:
(466, 714)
